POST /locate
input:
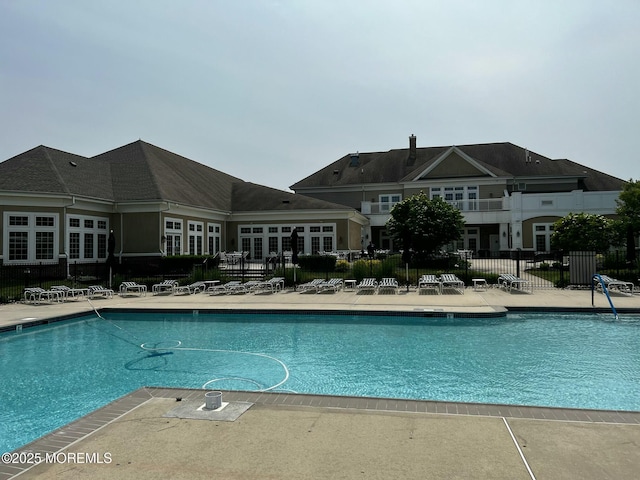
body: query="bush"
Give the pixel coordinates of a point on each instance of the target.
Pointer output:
(342, 266)
(544, 266)
(317, 263)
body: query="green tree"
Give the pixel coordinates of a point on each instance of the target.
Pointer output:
(582, 231)
(628, 211)
(424, 225)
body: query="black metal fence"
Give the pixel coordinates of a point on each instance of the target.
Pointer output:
(544, 270)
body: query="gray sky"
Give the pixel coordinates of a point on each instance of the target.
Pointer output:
(271, 91)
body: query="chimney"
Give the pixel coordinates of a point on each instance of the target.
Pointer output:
(412, 150)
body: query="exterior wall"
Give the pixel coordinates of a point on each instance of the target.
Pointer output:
(454, 166)
(492, 191)
(141, 234)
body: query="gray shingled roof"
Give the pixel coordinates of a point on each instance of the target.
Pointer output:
(252, 197)
(140, 171)
(50, 171)
(502, 159)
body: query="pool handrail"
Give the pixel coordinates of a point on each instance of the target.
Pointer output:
(604, 290)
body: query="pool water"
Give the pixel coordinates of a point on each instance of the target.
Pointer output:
(51, 375)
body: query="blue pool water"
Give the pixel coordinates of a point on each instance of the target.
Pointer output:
(52, 374)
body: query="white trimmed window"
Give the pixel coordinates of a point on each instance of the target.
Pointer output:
(542, 236)
(196, 237)
(87, 238)
(213, 238)
(387, 201)
(173, 236)
(30, 237)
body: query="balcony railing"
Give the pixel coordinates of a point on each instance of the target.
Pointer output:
(481, 205)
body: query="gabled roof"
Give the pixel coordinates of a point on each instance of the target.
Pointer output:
(497, 159)
(142, 172)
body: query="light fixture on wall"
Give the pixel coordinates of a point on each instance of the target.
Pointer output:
(518, 233)
(163, 239)
(504, 234)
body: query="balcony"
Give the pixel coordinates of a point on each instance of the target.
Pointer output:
(481, 205)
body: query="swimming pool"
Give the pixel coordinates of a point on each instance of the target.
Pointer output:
(52, 374)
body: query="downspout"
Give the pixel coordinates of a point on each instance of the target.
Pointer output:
(64, 229)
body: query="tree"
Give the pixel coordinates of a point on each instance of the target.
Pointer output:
(628, 211)
(582, 231)
(424, 225)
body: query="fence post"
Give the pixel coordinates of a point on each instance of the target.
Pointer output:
(518, 262)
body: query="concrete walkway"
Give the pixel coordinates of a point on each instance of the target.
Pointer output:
(285, 436)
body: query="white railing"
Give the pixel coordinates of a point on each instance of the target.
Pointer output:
(481, 205)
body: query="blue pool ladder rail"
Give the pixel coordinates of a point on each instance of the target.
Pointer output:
(604, 290)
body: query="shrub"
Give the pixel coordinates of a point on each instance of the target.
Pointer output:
(342, 266)
(317, 263)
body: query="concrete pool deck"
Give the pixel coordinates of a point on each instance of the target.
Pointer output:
(289, 436)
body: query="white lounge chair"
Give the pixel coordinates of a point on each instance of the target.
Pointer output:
(508, 282)
(367, 285)
(166, 286)
(310, 286)
(70, 293)
(195, 287)
(100, 291)
(614, 285)
(429, 282)
(332, 285)
(228, 287)
(273, 285)
(451, 281)
(36, 295)
(388, 284)
(132, 287)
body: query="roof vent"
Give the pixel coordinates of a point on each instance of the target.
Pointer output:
(336, 172)
(285, 201)
(73, 164)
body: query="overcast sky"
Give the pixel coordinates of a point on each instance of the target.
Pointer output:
(272, 91)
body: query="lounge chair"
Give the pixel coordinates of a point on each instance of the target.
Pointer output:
(429, 282)
(614, 285)
(273, 285)
(36, 295)
(388, 284)
(166, 286)
(368, 285)
(132, 287)
(508, 282)
(451, 281)
(100, 291)
(195, 287)
(310, 286)
(70, 293)
(333, 285)
(228, 287)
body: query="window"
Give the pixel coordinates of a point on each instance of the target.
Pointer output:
(44, 245)
(542, 236)
(213, 238)
(87, 238)
(263, 240)
(463, 197)
(196, 237)
(173, 236)
(387, 201)
(30, 237)
(74, 244)
(18, 246)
